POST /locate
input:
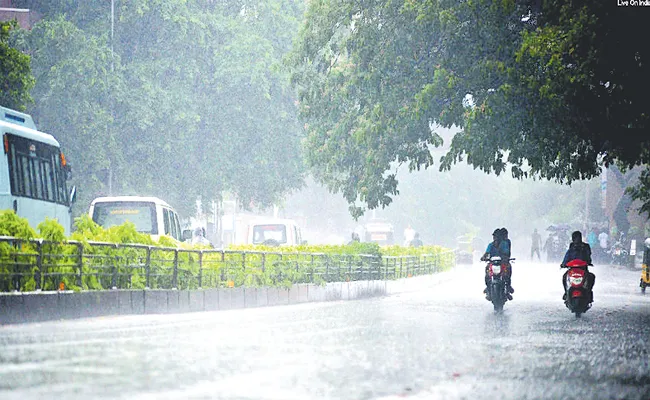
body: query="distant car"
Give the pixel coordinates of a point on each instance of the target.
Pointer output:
(380, 231)
(150, 215)
(274, 232)
(464, 257)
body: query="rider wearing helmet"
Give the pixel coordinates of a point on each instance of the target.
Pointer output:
(508, 246)
(578, 250)
(500, 247)
(504, 237)
(645, 267)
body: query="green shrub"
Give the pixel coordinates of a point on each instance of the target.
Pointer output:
(120, 257)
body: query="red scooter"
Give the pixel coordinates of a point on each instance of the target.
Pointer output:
(578, 294)
(497, 271)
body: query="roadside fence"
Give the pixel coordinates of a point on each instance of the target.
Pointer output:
(33, 265)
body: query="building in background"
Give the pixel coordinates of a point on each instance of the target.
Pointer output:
(25, 17)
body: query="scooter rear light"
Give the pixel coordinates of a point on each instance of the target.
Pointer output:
(576, 293)
(575, 280)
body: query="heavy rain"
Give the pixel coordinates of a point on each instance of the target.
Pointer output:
(290, 199)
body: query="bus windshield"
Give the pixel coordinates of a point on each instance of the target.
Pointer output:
(262, 233)
(141, 214)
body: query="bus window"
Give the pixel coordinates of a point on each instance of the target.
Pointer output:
(172, 224)
(277, 232)
(167, 222)
(141, 214)
(35, 170)
(177, 224)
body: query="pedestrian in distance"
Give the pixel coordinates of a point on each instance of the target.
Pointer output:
(409, 235)
(416, 242)
(355, 238)
(535, 245)
(603, 241)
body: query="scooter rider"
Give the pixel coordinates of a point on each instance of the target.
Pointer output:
(498, 247)
(645, 267)
(578, 250)
(508, 246)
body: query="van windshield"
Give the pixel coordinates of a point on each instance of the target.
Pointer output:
(276, 232)
(141, 214)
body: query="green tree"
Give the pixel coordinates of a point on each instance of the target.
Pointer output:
(74, 91)
(17, 79)
(188, 99)
(545, 89)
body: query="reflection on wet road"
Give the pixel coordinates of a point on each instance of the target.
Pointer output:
(440, 339)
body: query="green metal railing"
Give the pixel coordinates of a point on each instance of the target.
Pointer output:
(27, 265)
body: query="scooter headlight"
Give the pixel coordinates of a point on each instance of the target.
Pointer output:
(496, 269)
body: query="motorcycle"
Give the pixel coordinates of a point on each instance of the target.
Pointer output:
(619, 254)
(578, 293)
(498, 289)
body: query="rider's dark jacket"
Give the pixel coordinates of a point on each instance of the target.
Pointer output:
(578, 251)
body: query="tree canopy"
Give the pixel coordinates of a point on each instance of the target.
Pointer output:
(187, 99)
(16, 79)
(544, 89)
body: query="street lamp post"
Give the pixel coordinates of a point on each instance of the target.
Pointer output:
(110, 169)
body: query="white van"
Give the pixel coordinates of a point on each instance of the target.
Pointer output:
(274, 232)
(149, 214)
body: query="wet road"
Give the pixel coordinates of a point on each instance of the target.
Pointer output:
(438, 340)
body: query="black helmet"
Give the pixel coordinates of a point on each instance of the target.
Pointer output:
(576, 236)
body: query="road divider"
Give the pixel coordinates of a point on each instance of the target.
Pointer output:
(22, 307)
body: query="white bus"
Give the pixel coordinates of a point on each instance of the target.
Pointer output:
(274, 232)
(150, 215)
(33, 172)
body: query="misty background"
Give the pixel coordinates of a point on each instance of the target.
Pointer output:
(192, 99)
(443, 206)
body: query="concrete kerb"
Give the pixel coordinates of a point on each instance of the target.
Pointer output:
(138, 300)
(283, 296)
(93, 304)
(155, 301)
(197, 300)
(69, 306)
(124, 302)
(334, 291)
(262, 297)
(273, 296)
(298, 293)
(42, 306)
(211, 300)
(316, 293)
(173, 301)
(345, 291)
(225, 302)
(11, 308)
(238, 297)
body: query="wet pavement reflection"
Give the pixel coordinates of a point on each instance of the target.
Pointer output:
(437, 338)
